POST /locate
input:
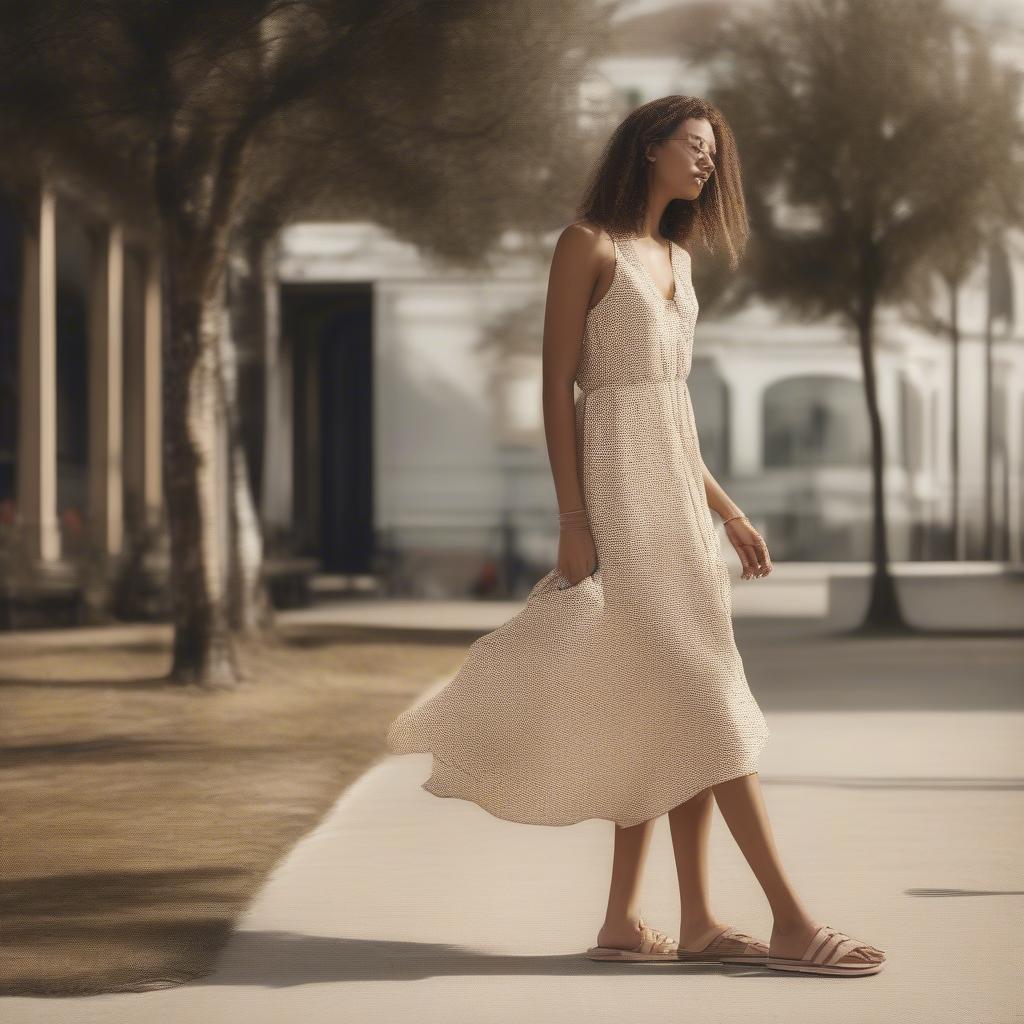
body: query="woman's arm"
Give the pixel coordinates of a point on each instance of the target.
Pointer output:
(575, 265)
(575, 268)
(717, 499)
(748, 543)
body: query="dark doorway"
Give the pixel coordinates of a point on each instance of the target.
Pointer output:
(331, 331)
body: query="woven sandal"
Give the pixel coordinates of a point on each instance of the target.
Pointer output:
(823, 953)
(729, 946)
(654, 946)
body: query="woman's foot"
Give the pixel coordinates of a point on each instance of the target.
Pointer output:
(790, 942)
(619, 936)
(625, 934)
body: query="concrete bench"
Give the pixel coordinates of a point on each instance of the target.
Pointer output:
(935, 595)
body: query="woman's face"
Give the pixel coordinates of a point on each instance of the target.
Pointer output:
(685, 160)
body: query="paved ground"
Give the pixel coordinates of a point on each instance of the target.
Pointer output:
(894, 783)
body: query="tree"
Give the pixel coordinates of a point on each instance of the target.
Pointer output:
(857, 153)
(511, 161)
(445, 120)
(968, 227)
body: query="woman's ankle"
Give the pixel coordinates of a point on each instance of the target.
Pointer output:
(791, 920)
(692, 925)
(619, 920)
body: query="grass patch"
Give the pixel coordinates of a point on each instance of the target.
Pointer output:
(140, 818)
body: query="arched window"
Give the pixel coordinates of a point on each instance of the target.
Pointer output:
(815, 420)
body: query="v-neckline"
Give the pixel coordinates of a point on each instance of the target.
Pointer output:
(650, 280)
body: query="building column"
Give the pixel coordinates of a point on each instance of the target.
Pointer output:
(278, 472)
(37, 413)
(106, 489)
(151, 382)
(929, 458)
(936, 470)
(746, 424)
(972, 446)
(890, 404)
(1015, 456)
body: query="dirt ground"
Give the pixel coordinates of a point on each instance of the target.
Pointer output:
(139, 818)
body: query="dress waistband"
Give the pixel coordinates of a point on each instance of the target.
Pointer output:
(644, 382)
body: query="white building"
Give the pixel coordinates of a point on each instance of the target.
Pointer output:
(406, 408)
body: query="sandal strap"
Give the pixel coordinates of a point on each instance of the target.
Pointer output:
(829, 946)
(731, 936)
(654, 941)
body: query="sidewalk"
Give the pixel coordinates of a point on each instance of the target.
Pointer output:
(899, 824)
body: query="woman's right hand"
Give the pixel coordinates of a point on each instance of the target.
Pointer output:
(577, 554)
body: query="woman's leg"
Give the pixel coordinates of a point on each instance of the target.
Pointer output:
(690, 824)
(621, 929)
(742, 805)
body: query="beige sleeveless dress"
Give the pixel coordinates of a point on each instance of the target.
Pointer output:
(624, 695)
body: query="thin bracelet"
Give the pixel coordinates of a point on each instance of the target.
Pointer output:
(574, 519)
(573, 516)
(731, 518)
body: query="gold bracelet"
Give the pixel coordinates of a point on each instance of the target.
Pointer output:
(731, 518)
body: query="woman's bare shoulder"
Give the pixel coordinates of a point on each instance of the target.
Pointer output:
(586, 243)
(585, 233)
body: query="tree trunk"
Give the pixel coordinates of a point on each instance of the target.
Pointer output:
(249, 608)
(883, 612)
(203, 650)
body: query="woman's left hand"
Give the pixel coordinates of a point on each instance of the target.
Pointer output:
(751, 548)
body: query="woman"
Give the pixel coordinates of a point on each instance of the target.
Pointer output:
(617, 692)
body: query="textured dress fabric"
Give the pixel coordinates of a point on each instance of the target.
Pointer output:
(623, 695)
